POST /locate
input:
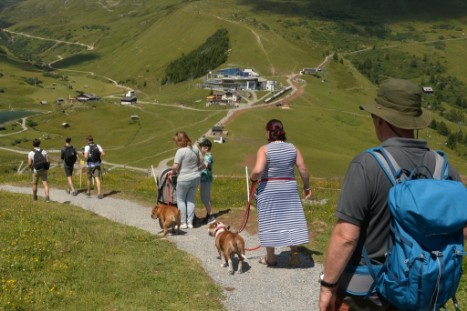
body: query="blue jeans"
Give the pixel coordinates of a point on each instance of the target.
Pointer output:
(186, 191)
(205, 193)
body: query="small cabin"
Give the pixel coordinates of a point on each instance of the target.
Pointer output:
(129, 98)
(309, 71)
(217, 130)
(427, 90)
(87, 97)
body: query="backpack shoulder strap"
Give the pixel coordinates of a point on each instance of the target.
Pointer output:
(387, 163)
(441, 169)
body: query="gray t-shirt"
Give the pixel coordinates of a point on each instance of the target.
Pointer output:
(364, 194)
(188, 160)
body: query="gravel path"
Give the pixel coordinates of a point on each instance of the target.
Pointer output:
(258, 288)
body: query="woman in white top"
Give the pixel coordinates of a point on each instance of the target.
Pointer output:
(186, 165)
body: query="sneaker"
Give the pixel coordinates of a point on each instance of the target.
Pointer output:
(74, 193)
(183, 226)
(88, 194)
(100, 196)
(211, 219)
(190, 226)
(47, 199)
(34, 197)
(68, 191)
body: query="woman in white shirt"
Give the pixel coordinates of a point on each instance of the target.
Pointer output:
(186, 165)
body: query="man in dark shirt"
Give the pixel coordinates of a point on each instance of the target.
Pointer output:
(362, 211)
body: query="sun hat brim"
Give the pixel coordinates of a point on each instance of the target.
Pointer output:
(398, 119)
(399, 102)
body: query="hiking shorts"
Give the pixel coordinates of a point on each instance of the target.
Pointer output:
(94, 171)
(68, 170)
(346, 302)
(42, 174)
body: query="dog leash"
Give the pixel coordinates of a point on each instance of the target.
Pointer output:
(250, 198)
(247, 212)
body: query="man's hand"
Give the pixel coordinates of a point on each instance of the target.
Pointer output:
(327, 299)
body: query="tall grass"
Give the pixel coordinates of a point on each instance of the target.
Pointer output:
(59, 257)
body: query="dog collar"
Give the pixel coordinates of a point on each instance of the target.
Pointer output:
(217, 231)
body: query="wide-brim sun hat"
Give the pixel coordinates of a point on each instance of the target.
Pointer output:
(399, 102)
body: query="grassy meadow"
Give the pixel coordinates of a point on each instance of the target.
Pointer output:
(57, 257)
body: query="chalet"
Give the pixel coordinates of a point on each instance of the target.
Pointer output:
(129, 98)
(226, 98)
(84, 97)
(217, 130)
(427, 90)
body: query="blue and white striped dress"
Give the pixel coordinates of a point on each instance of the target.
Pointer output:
(281, 220)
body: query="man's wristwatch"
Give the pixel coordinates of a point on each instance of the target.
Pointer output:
(324, 283)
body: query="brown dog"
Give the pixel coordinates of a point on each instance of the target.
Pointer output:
(168, 215)
(228, 243)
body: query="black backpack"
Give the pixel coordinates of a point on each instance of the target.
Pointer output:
(39, 161)
(69, 155)
(94, 154)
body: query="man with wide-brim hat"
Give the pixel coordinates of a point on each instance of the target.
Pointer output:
(362, 211)
(399, 102)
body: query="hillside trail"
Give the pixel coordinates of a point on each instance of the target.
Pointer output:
(257, 288)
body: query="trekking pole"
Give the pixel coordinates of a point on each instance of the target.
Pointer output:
(80, 166)
(456, 304)
(155, 180)
(247, 184)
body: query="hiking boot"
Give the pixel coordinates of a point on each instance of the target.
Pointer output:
(100, 196)
(210, 219)
(47, 199)
(34, 197)
(74, 193)
(68, 191)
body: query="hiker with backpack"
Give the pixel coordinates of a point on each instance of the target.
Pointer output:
(377, 259)
(93, 153)
(39, 163)
(69, 157)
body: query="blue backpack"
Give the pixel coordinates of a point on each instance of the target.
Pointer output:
(423, 265)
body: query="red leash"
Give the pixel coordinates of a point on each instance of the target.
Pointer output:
(247, 210)
(247, 213)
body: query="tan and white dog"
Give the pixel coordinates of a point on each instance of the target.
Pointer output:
(228, 243)
(169, 217)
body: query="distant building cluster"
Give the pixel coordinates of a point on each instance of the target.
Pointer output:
(237, 79)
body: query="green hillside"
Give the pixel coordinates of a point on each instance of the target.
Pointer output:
(103, 47)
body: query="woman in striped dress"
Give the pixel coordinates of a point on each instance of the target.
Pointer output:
(281, 220)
